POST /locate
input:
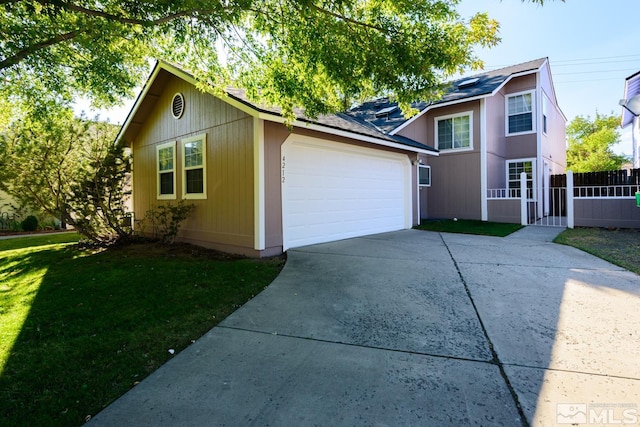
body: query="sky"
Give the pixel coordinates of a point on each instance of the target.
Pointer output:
(592, 46)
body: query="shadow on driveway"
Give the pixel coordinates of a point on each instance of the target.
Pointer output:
(412, 328)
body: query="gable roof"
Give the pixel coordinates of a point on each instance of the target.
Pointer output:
(335, 124)
(479, 86)
(376, 121)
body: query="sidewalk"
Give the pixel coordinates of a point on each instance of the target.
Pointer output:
(537, 233)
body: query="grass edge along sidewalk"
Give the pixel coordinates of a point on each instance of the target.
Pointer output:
(78, 328)
(617, 246)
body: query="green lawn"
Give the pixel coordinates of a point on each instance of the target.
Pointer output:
(620, 247)
(466, 226)
(78, 328)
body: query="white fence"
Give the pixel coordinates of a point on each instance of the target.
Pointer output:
(568, 206)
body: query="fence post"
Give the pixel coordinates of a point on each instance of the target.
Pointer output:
(570, 219)
(524, 220)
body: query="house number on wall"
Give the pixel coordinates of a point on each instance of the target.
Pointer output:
(283, 169)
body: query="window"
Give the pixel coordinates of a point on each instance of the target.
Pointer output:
(454, 132)
(514, 169)
(166, 161)
(545, 101)
(520, 113)
(194, 179)
(424, 176)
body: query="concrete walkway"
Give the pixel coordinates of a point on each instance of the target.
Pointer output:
(413, 328)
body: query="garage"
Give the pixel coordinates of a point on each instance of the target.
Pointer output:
(333, 191)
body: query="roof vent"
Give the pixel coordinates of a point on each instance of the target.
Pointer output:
(177, 105)
(468, 83)
(386, 111)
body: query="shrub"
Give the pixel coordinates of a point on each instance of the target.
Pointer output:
(30, 223)
(165, 220)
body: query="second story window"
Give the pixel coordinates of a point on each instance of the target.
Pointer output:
(454, 132)
(520, 113)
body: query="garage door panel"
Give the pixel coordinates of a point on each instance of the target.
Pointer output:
(334, 191)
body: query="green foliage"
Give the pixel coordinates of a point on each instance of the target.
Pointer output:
(165, 220)
(320, 55)
(30, 223)
(590, 142)
(69, 168)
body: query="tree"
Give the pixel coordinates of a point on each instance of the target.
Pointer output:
(320, 55)
(69, 168)
(590, 142)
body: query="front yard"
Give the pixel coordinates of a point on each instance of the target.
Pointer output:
(78, 328)
(620, 246)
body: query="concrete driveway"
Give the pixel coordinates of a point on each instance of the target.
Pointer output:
(413, 328)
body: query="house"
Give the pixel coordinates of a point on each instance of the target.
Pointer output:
(488, 129)
(261, 187)
(630, 112)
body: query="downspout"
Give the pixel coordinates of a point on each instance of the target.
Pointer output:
(259, 221)
(484, 212)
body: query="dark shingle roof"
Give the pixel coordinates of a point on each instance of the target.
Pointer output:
(486, 83)
(339, 121)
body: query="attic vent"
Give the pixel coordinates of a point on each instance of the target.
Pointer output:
(467, 83)
(177, 105)
(386, 111)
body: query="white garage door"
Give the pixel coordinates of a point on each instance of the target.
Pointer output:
(333, 191)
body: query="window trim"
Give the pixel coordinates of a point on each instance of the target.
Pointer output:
(534, 180)
(545, 113)
(201, 137)
(453, 116)
(427, 167)
(159, 147)
(533, 113)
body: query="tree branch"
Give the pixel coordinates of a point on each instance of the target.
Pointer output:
(346, 18)
(20, 55)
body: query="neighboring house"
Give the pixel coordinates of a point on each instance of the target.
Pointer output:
(630, 112)
(261, 187)
(488, 129)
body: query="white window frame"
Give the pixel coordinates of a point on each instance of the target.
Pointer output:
(533, 112)
(453, 116)
(533, 175)
(185, 169)
(425, 167)
(160, 147)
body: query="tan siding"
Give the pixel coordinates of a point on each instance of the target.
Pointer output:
(455, 188)
(520, 84)
(521, 146)
(606, 213)
(418, 131)
(455, 176)
(553, 144)
(504, 210)
(225, 218)
(274, 135)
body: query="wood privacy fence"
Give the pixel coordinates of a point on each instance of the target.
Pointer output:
(598, 199)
